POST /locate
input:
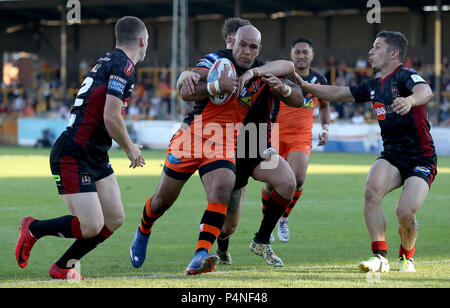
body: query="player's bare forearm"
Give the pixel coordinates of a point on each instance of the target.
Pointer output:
(325, 92)
(200, 92)
(422, 94)
(329, 93)
(115, 125)
(296, 98)
(117, 130)
(324, 113)
(279, 68)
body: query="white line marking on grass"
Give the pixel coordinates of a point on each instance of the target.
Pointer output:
(179, 275)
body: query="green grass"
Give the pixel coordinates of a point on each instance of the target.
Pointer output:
(328, 233)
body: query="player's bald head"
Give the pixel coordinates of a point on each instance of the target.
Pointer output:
(248, 33)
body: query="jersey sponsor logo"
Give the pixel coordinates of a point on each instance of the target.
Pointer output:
(129, 68)
(308, 102)
(426, 171)
(381, 110)
(174, 160)
(417, 78)
(117, 84)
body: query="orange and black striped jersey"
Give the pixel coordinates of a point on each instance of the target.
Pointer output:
(205, 112)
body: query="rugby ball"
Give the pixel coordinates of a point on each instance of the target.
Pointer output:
(214, 74)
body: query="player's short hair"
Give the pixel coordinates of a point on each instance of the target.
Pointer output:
(128, 30)
(306, 40)
(232, 24)
(395, 41)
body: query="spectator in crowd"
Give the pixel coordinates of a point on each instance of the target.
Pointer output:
(46, 140)
(357, 117)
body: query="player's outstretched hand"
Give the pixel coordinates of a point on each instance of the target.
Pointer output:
(135, 156)
(299, 80)
(401, 105)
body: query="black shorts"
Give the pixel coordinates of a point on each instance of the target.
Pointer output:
(424, 168)
(244, 170)
(76, 169)
(245, 167)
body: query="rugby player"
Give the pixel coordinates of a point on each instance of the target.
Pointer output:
(216, 165)
(79, 159)
(295, 125)
(281, 178)
(408, 159)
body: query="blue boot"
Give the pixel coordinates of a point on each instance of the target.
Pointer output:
(202, 262)
(138, 249)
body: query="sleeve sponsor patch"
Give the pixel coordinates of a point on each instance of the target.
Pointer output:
(208, 60)
(417, 78)
(205, 63)
(117, 84)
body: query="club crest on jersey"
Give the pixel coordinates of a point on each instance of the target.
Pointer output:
(86, 180)
(129, 68)
(394, 90)
(245, 97)
(308, 102)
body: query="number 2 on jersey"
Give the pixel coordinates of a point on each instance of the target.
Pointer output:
(87, 83)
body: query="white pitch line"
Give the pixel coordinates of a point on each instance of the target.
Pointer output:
(178, 275)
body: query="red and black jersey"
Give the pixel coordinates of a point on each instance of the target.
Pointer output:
(409, 135)
(113, 74)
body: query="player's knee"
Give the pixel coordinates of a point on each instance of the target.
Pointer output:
(227, 230)
(300, 181)
(286, 187)
(159, 204)
(405, 215)
(372, 194)
(115, 222)
(92, 228)
(268, 188)
(220, 194)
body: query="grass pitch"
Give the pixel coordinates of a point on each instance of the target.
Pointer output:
(328, 233)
